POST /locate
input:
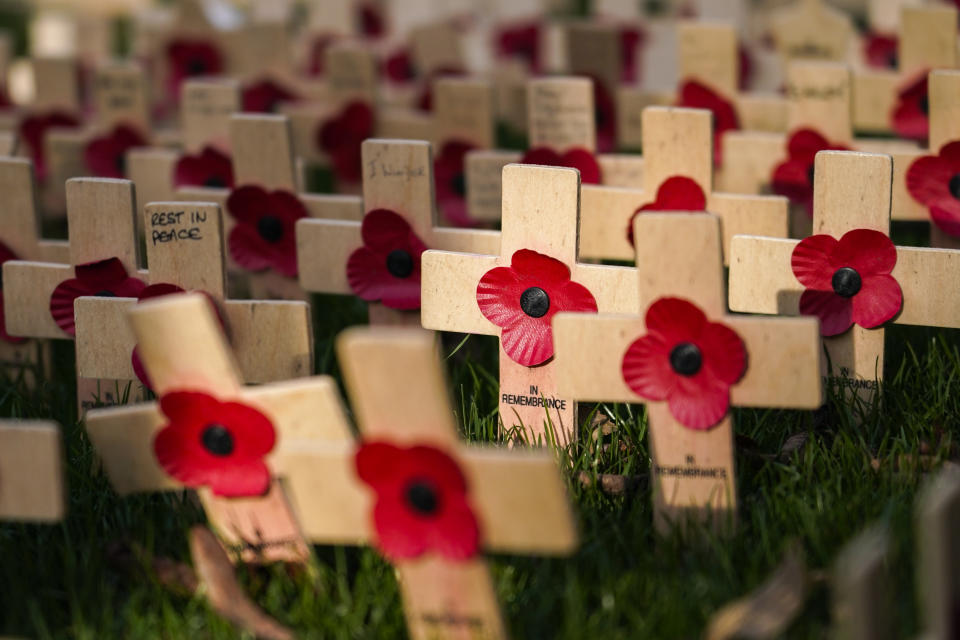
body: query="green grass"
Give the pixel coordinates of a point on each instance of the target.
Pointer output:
(91, 576)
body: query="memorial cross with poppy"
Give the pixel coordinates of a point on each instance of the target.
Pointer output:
(378, 259)
(185, 251)
(848, 274)
(681, 355)
(677, 176)
(209, 433)
(430, 503)
(516, 294)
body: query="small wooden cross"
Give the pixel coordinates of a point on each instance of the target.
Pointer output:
(184, 351)
(938, 558)
(851, 191)
(812, 29)
(540, 221)
(515, 501)
(31, 471)
(101, 214)
(860, 583)
(397, 177)
(693, 460)
(677, 143)
(271, 340)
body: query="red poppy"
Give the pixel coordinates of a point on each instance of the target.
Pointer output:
(209, 168)
(33, 131)
(398, 67)
(911, 113)
(105, 279)
(106, 156)
(371, 20)
(342, 137)
(209, 443)
(522, 299)
(449, 172)
(847, 281)
(421, 501)
(676, 193)
(686, 360)
(578, 158)
(521, 41)
(264, 236)
(604, 117)
(6, 253)
(934, 181)
(387, 266)
(265, 96)
(189, 59)
(631, 38)
(881, 50)
(696, 95)
(793, 177)
(745, 68)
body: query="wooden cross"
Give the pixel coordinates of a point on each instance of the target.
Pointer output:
(860, 584)
(396, 385)
(540, 214)
(812, 29)
(693, 465)
(21, 235)
(851, 191)
(184, 241)
(927, 41)
(184, 350)
(101, 214)
(31, 471)
(397, 176)
(677, 142)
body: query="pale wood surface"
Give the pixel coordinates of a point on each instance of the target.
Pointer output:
(121, 96)
(811, 29)
(464, 110)
(31, 471)
(819, 97)
(938, 565)
(944, 100)
(205, 109)
(677, 142)
(351, 71)
(151, 170)
(928, 38)
(594, 50)
(762, 111)
(21, 230)
(621, 169)
(708, 54)
(860, 588)
(483, 169)
(262, 151)
(55, 83)
(560, 113)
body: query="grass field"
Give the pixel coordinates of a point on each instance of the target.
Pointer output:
(93, 576)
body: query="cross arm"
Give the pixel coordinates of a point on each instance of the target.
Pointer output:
(27, 287)
(31, 471)
(614, 288)
(323, 247)
(604, 215)
(520, 499)
(761, 279)
(448, 295)
(270, 340)
(767, 216)
(920, 273)
(53, 251)
(333, 206)
(467, 240)
(105, 340)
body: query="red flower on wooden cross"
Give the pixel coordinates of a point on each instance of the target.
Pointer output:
(266, 96)
(449, 173)
(6, 253)
(209, 443)
(372, 24)
(934, 181)
(696, 95)
(316, 59)
(881, 50)
(577, 158)
(521, 41)
(911, 113)
(631, 38)
(847, 281)
(398, 67)
(210, 168)
(793, 177)
(264, 236)
(676, 193)
(421, 502)
(387, 267)
(189, 59)
(106, 156)
(33, 131)
(105, 279)
(342, 136)
(687, 361)
(604, 117)
(522, 299)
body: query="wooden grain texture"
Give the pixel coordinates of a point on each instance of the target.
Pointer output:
(928, 38)
(944, 94)
(483, 170)
(812, 29)
(31, 471)
(121, 95)
(708, 54)
(463, 110)
(352, 73)
(677, 142)
(56, 85)
(748, 157)
(20, 217)
(874, 95)
(819, 97)
(560, 113)
(594, 50)
(206, 106)
(101, 214)
(762, 111)
(151, 169)
(262, 151)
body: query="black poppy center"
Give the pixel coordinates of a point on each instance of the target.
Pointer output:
(925, 105)
(217, 440)
(399, 263)
(458, 184)
(196, 67)
(810, 173)
(846, 282)
(893, 61)
(955, 186)
(215, 182)
(685, 359)
(535, 302)
(270, 228)
(422, 497)
(105, 294)
(120, 162)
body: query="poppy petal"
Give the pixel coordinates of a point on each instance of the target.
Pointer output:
(585, 162)
(835, 312)
(528, 341)
(878, 301)
(699, 407)
(498, 295)
(867, 251)
(811, 261)
(675, 320)
(646, 368)
(542, 156)
(247, 248)
(947, 219)
(724, 354)
(928, 180)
